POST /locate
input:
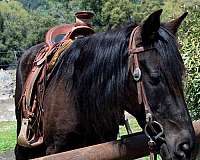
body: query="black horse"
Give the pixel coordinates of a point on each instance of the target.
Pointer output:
(92, 85)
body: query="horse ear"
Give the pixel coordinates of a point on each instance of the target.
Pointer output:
(150, 26)
(174, 24)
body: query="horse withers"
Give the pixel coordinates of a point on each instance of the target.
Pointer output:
(137, 68)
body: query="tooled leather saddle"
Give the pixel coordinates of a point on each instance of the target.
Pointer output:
(57, 40)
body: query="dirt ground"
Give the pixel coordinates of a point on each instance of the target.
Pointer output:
(7, 87)
(9, 155)
(7, 108)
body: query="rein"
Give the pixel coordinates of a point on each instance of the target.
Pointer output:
(142, 98)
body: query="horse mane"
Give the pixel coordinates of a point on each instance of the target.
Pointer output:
(96, 68)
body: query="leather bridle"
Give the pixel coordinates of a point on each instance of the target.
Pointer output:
(134, 67)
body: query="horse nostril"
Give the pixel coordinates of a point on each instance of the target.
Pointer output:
(185, 147)
(183, 150)
(180, 154)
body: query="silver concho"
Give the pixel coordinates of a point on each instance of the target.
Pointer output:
(137, 74)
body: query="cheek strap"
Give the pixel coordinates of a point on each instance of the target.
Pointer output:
(133, 65)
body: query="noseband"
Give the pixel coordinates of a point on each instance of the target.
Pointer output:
(142, 98)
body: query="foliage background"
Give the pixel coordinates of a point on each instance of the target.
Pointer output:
(23, 23)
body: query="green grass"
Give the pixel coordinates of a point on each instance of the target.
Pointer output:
(7, 135)
(134, 127)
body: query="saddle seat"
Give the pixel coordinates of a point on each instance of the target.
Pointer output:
(81, 27)
(62, 32)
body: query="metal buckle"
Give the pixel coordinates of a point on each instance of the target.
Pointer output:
(152, 139)
(149, 117)
(150, 125)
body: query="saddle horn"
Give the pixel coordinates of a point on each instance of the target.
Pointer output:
(83, 18)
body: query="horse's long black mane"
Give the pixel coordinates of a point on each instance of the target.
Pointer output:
(96, 67)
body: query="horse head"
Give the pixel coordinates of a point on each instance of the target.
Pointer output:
(156, 69)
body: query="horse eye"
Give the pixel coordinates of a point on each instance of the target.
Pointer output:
(155, 78)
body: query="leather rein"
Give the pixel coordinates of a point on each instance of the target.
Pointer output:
(134, 66)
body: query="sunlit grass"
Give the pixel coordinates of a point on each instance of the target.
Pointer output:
(134, 127)
(7, 135)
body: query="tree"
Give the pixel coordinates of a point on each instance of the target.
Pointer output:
(20, 29)
(143, 8)
(95, 6)
(189, 38)
(13, 16)
(115, 12)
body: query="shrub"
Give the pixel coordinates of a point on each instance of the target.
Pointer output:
(190, 41)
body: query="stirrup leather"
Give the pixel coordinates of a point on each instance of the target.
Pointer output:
(25, 139)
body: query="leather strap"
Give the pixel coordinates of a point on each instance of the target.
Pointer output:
(31, 133)
(23, 140)
(133, 54)
(142, 98)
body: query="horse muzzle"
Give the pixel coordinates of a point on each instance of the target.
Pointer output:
(182, 151)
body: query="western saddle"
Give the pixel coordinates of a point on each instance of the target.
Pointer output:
(81, 27)
(31, 103)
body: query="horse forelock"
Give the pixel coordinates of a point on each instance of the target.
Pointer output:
(172, 65)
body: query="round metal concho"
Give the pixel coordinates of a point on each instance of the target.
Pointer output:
(137, 74)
